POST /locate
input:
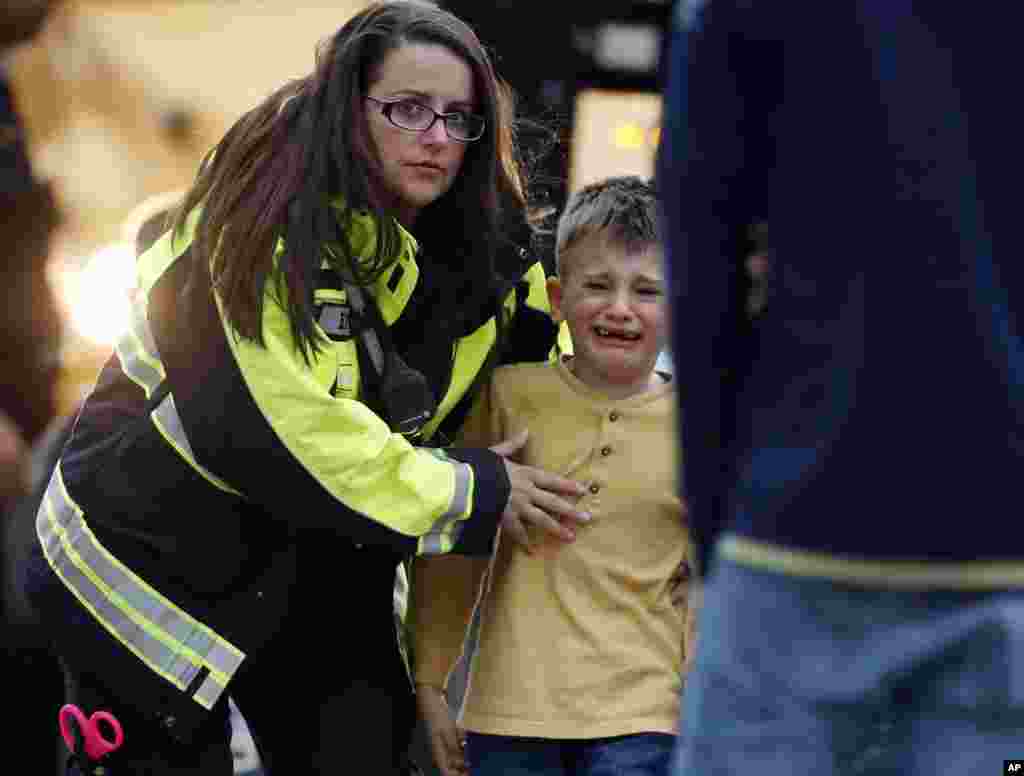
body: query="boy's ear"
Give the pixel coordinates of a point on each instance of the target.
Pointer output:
(555, 298)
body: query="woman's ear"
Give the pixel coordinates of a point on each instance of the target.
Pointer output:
(555, 298)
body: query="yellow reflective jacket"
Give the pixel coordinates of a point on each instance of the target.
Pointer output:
(198, 456)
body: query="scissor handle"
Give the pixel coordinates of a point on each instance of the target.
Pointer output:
(97, 745)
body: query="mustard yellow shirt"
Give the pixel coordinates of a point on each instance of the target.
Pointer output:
(580, 639)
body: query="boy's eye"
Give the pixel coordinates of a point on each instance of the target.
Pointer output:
(650, 291)
(593, 284)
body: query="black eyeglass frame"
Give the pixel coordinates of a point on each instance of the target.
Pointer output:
(388, 105)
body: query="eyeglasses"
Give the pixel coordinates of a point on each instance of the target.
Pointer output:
(415, 117)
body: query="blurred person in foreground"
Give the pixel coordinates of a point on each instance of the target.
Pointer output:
(854, 440)
(268, 442)
(580, 657)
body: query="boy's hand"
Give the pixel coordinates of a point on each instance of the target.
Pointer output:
(678, 589)
(447, 740)
(535, 498)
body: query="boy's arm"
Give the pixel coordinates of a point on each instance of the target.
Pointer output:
(445, 589)
(685, 593)
(685, 588)
(441, 602)
(444, 594)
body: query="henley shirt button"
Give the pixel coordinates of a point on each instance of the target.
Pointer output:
(170, 721)
(595, 488)
(259, 594)
(613, 416)
(606, 450)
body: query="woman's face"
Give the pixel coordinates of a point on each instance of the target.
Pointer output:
(417, 167)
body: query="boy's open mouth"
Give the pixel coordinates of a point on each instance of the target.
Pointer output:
(629, 336)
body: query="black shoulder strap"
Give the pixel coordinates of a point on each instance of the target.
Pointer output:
(372, 328)
(396, 392)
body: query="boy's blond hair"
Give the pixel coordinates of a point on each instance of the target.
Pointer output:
(624, 207)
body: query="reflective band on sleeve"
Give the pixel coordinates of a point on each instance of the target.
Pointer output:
(209, 691)
(167, 421)
(137, 351)
(445, 532)
(141, 363)
(168, 640)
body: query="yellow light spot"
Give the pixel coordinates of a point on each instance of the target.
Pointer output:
(654, 136)
(629, 137)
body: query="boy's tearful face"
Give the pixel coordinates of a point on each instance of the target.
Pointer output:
(613, 299)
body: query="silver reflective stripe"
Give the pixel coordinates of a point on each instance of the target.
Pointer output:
(137, 351)
(445, 532)
(354, 294)
(168, 640)
(168, 422)
(141, 362)
(209, 691)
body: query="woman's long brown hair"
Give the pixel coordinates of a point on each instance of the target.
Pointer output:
(273, 175)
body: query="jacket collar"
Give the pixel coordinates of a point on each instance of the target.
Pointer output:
(515, 255)
(393, 288)
(517, 252)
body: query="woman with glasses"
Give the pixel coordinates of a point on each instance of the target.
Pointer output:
(271, 439)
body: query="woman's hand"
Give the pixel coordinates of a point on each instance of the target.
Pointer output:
(447, 740)
(535, 498)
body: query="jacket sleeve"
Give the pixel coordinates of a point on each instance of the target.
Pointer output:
(354, 455)
(445, 591)
(262, 419)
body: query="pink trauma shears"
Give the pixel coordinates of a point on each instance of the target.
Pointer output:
(89, 731)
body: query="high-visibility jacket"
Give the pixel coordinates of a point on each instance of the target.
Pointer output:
(198, 454)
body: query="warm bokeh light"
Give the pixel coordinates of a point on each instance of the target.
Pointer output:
(98, 295)
(629, 136)
(615, 133)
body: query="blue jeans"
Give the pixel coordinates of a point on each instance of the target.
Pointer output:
(640, 754)
(799, 676)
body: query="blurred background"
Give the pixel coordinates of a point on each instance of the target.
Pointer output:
(121, 98)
